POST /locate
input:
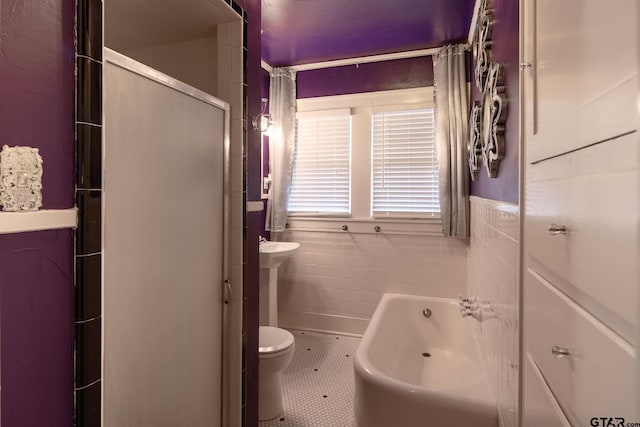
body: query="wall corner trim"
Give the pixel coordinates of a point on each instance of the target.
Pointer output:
(474, 20)
(48, 219)
(266, 66)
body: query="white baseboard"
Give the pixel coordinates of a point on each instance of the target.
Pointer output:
(322, 323)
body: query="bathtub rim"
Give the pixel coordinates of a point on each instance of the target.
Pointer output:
(363, 367)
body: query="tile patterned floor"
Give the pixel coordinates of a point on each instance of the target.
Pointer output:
(318, 384)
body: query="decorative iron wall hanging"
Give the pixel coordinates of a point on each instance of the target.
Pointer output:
(475, 140)
(494, 114)
(482, 41)
(487, 120)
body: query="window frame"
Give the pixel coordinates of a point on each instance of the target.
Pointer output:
(362, 106)
(398, 214)
(334, 112)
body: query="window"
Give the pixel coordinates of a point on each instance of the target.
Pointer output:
(404, 169)
(365, 156)
(321, 182)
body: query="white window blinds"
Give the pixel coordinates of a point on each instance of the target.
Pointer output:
(322, 163)
(404, 166)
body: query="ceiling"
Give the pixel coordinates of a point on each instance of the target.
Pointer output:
(298, 32)
(131, 24)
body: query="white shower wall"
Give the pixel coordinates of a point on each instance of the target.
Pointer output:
(336, 279)
(191, 61)
(493, 278)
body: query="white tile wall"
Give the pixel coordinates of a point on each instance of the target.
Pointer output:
(338, 276)
(230, 89)
(493, 277)
(193, 61)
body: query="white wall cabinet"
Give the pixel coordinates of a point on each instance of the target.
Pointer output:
(580, 88)
(542, 407)
(581, 203)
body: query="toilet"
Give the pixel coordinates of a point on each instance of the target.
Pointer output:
(275, 351)
(275, 345)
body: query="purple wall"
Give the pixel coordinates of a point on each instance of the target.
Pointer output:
(265, 154)
(505, 49)
(37, 89)
(36, 290)
(251, 289)
(370, 77)
(36, 269)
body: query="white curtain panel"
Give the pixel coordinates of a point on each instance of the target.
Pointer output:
(282, 109)
(452, 118)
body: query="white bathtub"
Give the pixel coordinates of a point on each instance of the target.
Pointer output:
(398, 384)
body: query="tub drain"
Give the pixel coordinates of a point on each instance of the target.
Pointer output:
(425, 354)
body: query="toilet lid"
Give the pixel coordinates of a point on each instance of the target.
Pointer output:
(272, 339)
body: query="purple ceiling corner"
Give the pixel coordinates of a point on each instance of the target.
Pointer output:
(306, 31)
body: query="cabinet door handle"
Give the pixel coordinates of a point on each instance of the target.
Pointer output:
(555, 229)
(560, 352)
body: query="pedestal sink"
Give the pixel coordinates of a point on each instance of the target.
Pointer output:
(271, 256)
(273, 253)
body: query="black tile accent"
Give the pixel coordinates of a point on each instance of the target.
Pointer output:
(245, 28)
(244, 183)
(88, 352)
(88, 277)
(88, 287)
(88, 234)
(88, 406)
(89, 95)
(245, 103)
(244, 60)
(90, 28)
(244, 337)
(244, 384)
(236, 7)
(250, 300)
(89, 156)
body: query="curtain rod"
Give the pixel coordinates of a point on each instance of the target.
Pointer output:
(362, 59)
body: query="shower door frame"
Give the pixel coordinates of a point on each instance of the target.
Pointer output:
(120, 60)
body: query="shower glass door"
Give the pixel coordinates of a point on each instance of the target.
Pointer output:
(164, 225)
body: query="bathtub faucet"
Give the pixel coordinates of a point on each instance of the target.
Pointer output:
(476, 314)
(471, 303)
(469, 307)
